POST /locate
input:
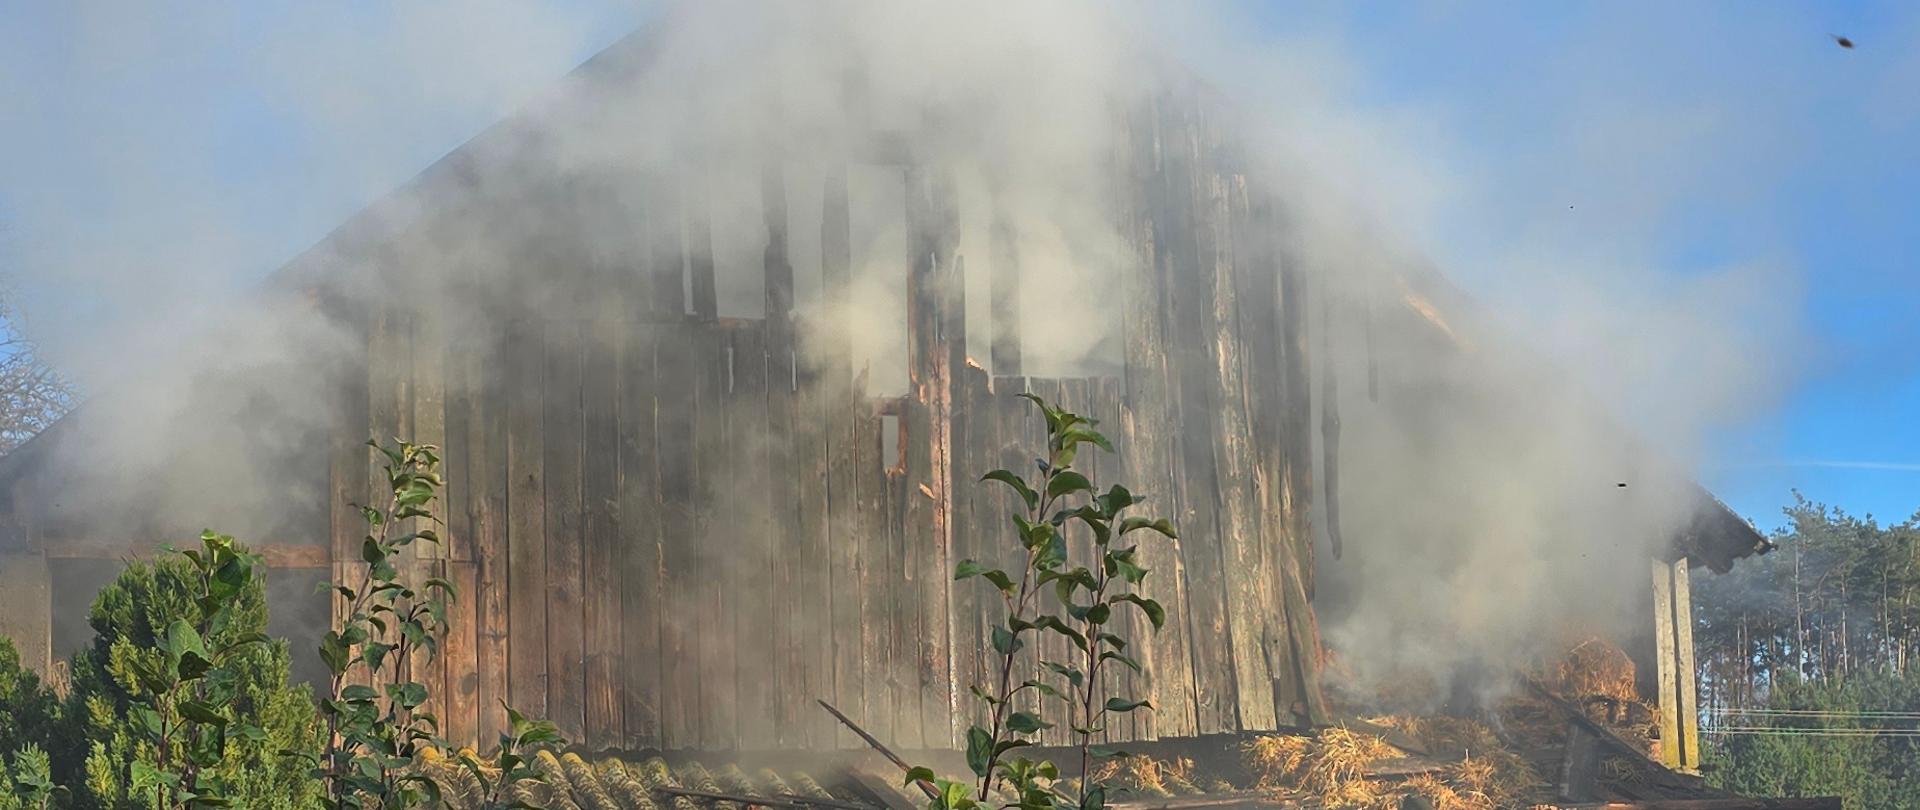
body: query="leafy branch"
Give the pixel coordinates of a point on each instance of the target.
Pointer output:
(374, 735)
(1088, 595)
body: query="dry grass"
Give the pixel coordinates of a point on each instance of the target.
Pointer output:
(1153, 777)
(1330, 767)
(1595, 668)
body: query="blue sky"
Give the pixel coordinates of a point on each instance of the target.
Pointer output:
(1731, 152)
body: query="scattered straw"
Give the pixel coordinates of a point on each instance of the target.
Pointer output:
(1330, 767)
(1146, 775)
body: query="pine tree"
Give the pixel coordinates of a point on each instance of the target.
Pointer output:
(127, 618)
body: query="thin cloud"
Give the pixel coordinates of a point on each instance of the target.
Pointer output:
(1832, 464)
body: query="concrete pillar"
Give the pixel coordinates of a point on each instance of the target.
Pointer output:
(26, 607)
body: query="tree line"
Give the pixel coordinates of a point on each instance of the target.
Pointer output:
(1807, 659)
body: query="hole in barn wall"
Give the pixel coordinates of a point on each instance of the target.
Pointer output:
(876, 323)
(75, 583)
(890, 442)
(739, 240)
(299, 611)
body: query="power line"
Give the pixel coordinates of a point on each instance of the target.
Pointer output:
(1815, 713)
(1813, 732)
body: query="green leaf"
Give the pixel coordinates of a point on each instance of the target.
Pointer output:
(979, 749)
(918, 773)
(1114, 656)
(1043, 688)
(200, 712)
(1053, 554)
(1084, 432)
(956, 795)
(1107, 752)
(155, 679)
(1020, 486)
(1155, 613)
(1026, 723)
(375, 654)
(182, 638)
(1116, 704)
(1095, 799)
(1052, 414)
(408, 694)
(371, 550)
(1161, 525)
(1073, 676)
(1000, 580)
(1068, 482)
(1056, 625)
(1005, 642)
(966, 569)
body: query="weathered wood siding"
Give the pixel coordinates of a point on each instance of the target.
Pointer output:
(677, 530)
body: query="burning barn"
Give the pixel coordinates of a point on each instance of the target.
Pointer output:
(713, 401)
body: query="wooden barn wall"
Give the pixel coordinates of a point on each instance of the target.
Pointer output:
(668, 530)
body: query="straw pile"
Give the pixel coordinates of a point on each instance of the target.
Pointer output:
(1330, 768)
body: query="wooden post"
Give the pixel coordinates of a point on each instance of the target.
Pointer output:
(1673, 654)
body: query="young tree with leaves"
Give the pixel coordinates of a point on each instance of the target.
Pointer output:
(1052, 593)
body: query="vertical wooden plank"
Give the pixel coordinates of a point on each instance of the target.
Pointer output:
(347, 455)
(1295, 487)
(429, 403)
(566, 642)
(680, 624)
(814, 633)
(759, 550)
(1015, 451)
(844, 410)
(715, 541)
(526, 521)
(459, 718)
(904, 676)
(810, 655)
(1146, 411)
(1187, 284)
(1687, 718)
(389, 407)
(1282, 405)
(1117, 468)
(1664, 647)
(930, 320)
(456, 537)
(488, 487)
(1051, 647)
(1250, 596)
(972, 435)
(428, 420)
(878, 578)
(604, 554)
(458, 665)
(783, 505)
(639, 519)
